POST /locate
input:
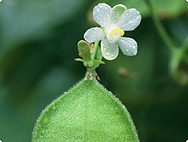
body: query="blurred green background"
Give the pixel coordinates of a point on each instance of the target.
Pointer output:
(38, 45)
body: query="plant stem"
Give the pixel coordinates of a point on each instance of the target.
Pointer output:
(96, 45)
(162, 32)
(184, 47)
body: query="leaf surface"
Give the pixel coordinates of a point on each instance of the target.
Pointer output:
(87, 112)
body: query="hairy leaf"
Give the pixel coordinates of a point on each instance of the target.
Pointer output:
(87, 112)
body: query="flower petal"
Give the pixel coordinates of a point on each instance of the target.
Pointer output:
(128, 46)
(129, 20)
(93, 34)
(117, 11)
(102, 13)
(109, 50)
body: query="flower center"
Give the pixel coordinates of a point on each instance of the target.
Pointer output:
(117, 32)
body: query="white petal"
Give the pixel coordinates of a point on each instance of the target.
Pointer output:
(93, 34)
(109, 50)
(128, 46)
(129, 20)
(102, 13)
(117, 11)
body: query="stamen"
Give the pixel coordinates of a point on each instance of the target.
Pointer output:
(117, 30)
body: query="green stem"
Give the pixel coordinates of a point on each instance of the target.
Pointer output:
(181, 51)
(95, 48)
(184, 47)
(162, 32)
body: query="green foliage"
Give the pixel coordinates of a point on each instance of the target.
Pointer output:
(37, 64)
(87, 112)
(91, 60)
(84, 50)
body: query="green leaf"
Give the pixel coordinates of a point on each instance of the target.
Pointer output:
(84, 50)
(87, 112)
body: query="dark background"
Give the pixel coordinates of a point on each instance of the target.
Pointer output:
(38, 45)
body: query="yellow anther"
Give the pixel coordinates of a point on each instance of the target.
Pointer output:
(117, 31)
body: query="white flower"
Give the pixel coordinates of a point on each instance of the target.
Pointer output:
(114, 21)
